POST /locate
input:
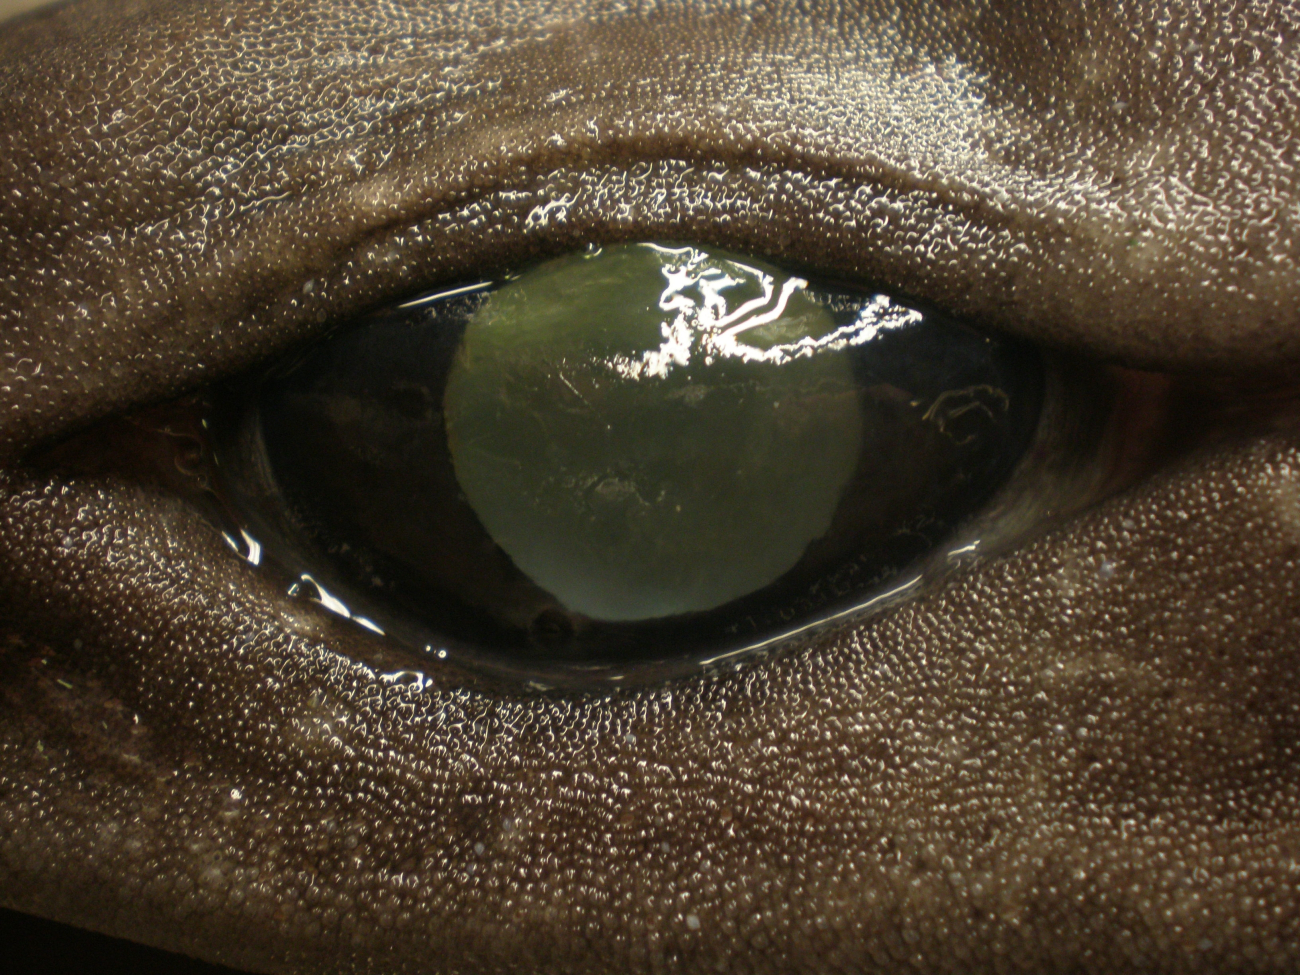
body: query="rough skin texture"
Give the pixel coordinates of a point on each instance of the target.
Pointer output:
(1077, 757)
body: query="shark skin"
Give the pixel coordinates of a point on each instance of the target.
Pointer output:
(1077, 754)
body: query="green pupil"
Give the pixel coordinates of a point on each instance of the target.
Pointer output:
(649, 430)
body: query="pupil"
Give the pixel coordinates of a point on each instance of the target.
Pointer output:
(649, 431)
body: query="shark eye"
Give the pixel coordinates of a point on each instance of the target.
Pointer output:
(626, 457)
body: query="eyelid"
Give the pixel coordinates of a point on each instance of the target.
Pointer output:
(742, 209)
(989, 233)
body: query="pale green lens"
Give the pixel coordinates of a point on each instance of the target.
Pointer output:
(649, 430)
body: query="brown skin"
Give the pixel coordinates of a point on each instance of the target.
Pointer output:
(1042, 765)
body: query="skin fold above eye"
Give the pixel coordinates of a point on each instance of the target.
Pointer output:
(1077, 756)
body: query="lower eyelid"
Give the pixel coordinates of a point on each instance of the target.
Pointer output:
(244, 742)
(956, 750)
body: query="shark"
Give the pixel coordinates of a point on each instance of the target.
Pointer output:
(1075, 753)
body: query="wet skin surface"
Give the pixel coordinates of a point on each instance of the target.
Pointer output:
(1075, 756)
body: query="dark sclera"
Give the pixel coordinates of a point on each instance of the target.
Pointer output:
(360, 477)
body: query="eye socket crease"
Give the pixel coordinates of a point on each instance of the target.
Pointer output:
(1029, 768)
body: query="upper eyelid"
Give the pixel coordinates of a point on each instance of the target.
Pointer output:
(299, 308)
(242, 303)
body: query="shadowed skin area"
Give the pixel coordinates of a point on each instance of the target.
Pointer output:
(1079, 755)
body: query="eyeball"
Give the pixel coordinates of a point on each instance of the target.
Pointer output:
(638, 454)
